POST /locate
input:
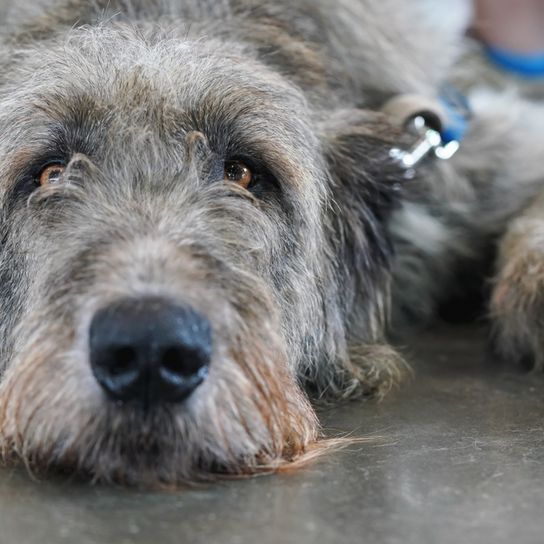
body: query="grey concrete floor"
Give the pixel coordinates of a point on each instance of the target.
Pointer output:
(460, 459)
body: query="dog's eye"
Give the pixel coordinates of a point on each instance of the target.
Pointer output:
(239, 173)
(51, 174)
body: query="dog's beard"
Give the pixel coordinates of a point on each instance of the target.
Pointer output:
(249, 416)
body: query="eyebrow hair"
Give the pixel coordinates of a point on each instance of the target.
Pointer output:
(57, 142)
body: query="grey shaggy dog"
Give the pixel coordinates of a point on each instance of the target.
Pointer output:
(201, 221)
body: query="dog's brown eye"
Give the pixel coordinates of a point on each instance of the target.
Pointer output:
(239, 173)
(51, 174)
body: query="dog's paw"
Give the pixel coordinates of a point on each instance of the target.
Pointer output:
(375, 370)
(517, 301)
(371, 370)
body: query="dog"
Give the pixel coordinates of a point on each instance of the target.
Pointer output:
(204, 224)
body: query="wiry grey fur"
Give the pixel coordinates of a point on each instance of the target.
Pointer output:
(145, 100)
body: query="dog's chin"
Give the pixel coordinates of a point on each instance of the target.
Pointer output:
(150, 451)
(152, 448)
(203, 439)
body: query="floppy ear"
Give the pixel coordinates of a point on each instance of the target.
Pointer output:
(364, 184)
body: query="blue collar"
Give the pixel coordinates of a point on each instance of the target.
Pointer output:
(458, 112)
(528, 66)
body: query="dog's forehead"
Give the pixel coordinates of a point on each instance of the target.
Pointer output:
(126, 71)
(113, 81)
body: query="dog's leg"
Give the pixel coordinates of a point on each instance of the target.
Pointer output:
(517, 303)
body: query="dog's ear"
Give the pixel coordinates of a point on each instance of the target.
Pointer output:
(365, 183)
(364, 187)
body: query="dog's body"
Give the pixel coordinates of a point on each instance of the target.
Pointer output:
(146, 105)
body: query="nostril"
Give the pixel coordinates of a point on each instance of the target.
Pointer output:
(125, 360)
(172, 360)
(183, 362)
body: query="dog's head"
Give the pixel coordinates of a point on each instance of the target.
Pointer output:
(184, 240)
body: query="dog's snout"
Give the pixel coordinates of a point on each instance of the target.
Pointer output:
(149, 350)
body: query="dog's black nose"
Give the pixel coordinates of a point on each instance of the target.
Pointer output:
(149, 350)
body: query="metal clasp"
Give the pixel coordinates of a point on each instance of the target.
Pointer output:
(429, 143)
